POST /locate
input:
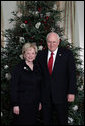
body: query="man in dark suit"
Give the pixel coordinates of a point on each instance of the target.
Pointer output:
(57, 67)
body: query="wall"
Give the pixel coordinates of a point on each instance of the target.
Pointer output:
(79, 26)
(7, 8)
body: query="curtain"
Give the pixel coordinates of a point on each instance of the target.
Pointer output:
(68, 8)
(2, 28)
(69, 20)
(20, 3)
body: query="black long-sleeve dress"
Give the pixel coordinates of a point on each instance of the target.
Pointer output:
(25, 93)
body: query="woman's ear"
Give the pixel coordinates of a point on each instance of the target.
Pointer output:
(24, 56)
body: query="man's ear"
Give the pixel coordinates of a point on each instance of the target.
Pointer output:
(59, 40)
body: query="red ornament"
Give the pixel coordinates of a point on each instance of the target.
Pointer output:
(29, 23)
(39, 9)
(47, 17)
(26, 22)
(45, 22)
(31, 37)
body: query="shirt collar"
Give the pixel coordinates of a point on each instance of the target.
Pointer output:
(55, 52)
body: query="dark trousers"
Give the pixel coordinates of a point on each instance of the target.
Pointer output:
(55, 114)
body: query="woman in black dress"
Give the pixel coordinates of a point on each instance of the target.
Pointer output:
(25, 88)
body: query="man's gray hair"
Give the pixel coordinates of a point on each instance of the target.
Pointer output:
(52, 33)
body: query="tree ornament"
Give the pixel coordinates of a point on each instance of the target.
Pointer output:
(55, 7)
(47, 17)
(6, 66)
(21, 39)
(37, 25)
(31, 37)
(22, 25)
(39, 9)
(40, 47)
(36, 13)
(75, 108)
(19, 14)
(41, 15)
(53, 29)
(8, 76)
(48, 14)
(21, 56)
(26, 22)
(45, 22)
(81, 88)
(70, 120)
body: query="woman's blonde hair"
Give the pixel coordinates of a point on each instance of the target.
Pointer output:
(29, 45)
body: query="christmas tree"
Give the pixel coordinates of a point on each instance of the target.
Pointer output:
(32, 23)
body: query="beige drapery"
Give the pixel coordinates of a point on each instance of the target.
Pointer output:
(2, 28)
(20, 3)
(68, 23)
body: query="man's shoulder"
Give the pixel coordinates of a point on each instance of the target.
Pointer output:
(64, 49)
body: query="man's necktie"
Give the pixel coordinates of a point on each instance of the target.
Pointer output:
(50, 63)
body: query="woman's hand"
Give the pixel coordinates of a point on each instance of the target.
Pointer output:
(16, 110)
(40, 106)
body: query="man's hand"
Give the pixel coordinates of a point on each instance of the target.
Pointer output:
(16, 110)
(71, 97)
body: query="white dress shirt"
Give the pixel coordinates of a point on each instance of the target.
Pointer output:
(54, 56)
